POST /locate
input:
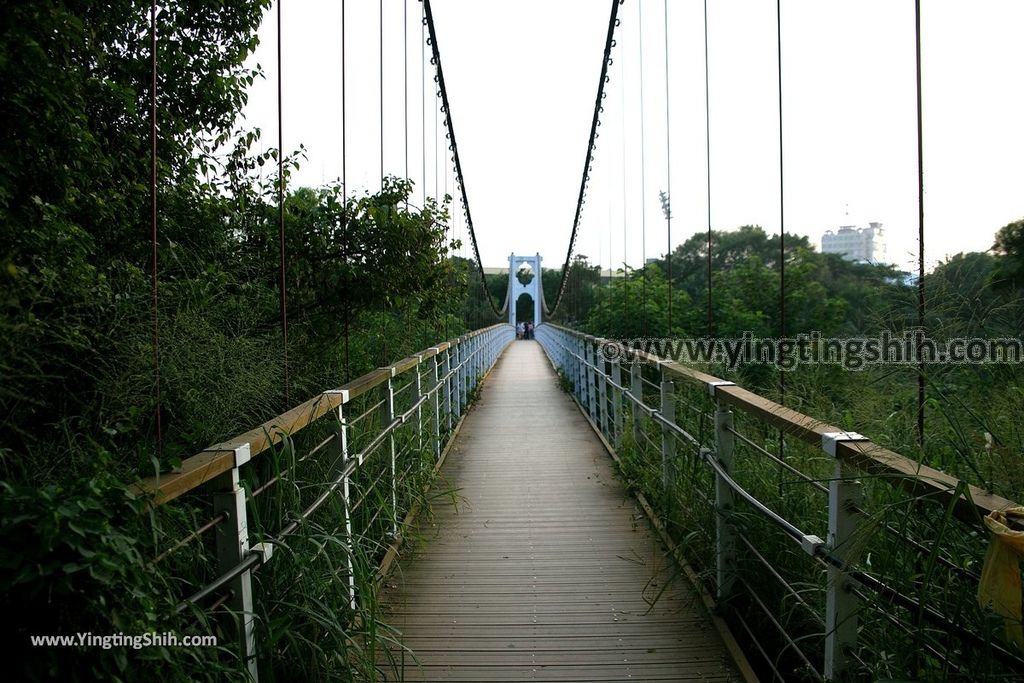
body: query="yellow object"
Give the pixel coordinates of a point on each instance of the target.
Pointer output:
(1000, 586)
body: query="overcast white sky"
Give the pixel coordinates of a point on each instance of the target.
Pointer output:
(522, 78)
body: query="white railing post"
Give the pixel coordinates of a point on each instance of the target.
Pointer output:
(435, 419)
(341, 449)
(232, 539)
(389, 417)
(417, 389)
(617, 402)
(448, 386)
(475, 350)
(841, 602)
(636, 389)
(464, 361)
(602, 390)
(725, 504)
(668, 439)
(591, 379)
(581, 371)
(453, 367)
(457, 378)
(564, 358)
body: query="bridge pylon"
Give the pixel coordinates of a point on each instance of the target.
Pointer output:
(517, 288)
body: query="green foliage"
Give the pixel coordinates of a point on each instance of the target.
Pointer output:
(938, 566)
(73, 561)
(1008, 272)
(369, 280)
(637, 306)
(579, 295)
(972, 431)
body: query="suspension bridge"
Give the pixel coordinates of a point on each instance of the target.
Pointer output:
(566, 508)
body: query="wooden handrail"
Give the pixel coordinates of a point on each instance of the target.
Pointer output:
(219, 458)
(864, 455)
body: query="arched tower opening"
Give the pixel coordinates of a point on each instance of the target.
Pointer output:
(524, 278)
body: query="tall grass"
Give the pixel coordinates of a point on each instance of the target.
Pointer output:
(911, 543)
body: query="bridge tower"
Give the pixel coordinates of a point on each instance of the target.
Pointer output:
(517, 288)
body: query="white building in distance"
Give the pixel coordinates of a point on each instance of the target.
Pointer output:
(856, 244)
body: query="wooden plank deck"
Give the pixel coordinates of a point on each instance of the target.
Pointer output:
(543, 567)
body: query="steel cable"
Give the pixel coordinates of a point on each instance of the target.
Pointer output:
(782, 231)
(153, 230)
(643, 172)
(453, 146)
(280, 209)
(598, 108)
(668, 180)
(707, 144)
(920, 229)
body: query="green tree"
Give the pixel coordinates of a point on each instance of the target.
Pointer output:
(73, 169)
(629, 308)
(1009, 250)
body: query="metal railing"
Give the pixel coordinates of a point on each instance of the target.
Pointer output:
(376, 442)
(900, 545)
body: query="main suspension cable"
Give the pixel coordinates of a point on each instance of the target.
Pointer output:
(598, 109)
(453, 146)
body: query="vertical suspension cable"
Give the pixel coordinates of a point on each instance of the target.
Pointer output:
(643, 171)
(437, 166)
(782, 230)
(423, 101)
(920, 229)
(668, 180)
(405, 87)
(611, 260)
(381, 88)
(437, 160)
(344, 122)
(380, 84)
(625, 220)
(591, 146)
(707, 150)
(344, 179)
(782, 198)
(280, 209)
(344, 109)
(153, 230)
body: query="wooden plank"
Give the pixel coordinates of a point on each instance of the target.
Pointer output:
(544, 567)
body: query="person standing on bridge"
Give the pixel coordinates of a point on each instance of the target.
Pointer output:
(520, 330)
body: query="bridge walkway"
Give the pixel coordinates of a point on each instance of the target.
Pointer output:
(542, 566)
